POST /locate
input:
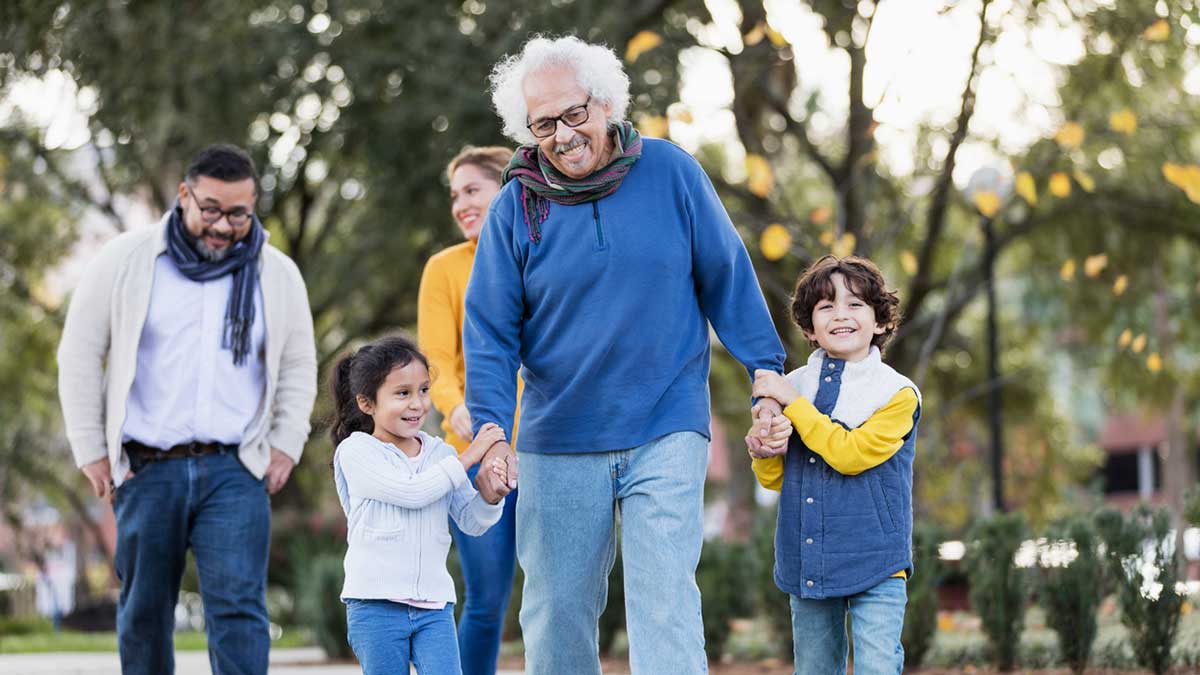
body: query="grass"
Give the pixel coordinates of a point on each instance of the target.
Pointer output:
(71, 641)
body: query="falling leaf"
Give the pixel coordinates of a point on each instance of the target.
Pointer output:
(1154, 362)
(1094, 264)
(820, 215)
(1085, 181)
(826, 238)
(1123, 122)
(640, 44)
(683, 115)
(844, 246)
(908, 262)
(987, 202)
(1139, 343)
(776, 37)
(654, 126)
(760, 180)
(775, 242)
(1184, 177)
(1124, 339)
(1070, 135)
(1067, 272)
(1158, 31)
(1027, 188)
(1120, 285)
(755, 36)
(1060, 184)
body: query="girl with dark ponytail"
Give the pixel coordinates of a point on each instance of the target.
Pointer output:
(397, 485)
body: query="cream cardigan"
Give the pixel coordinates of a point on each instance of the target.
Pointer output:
(97, 357)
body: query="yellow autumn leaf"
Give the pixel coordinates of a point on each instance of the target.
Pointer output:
(775, 242)
(1123, 122)
(755, 36)
(1085, 181)
(1139, 343)
(654, 126)
(1158, 31)
(908, 262)
(1093, 265)
(1120, 285)
(1067, 271)
(844, 246)
(1070, 135)
(1060, 184)
(1154, 362)
(1027, 187)
(1124, 339)
(1184, 177)
(776, 37)
(820, 215)
(759, 177)
(987, 202)
(826, 238)
(640, 44)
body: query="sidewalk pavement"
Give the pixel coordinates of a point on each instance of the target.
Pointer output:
(305, 661)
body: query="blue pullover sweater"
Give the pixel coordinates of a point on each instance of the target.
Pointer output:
(607, 316)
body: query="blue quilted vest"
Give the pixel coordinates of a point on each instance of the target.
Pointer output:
(838, 535)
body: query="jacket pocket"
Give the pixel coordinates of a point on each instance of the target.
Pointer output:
(383, 534)
(887, 515)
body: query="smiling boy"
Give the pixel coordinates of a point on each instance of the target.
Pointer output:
(843, 541)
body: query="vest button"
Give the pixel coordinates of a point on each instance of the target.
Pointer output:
(808, 541)
(812, 460)
(831, 366)
(829, 379)
(809, 500)
(809, 583)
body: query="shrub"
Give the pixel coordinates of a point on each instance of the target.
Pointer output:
(772, 603)
(997, 585)
(1070, 590)
(920, 616)
(725, 576)
(1140, 555)
(612, 620)
(319, 605)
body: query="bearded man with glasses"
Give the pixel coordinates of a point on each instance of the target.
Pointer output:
(604, 260)
(187, 373)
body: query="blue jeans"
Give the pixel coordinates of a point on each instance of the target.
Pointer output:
(566, 542)
(386, 636)
(488, 565)
(876, 617)
(214, 506)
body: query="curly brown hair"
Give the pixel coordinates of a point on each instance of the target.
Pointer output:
(863, 279)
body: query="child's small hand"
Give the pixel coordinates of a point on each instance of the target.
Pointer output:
(499, 469)
(489, 434)
(773, 442)
(769, 384)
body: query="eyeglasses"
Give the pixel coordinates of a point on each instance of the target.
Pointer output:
(236, 217)
(573, 117)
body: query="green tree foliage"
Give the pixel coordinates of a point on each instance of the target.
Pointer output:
(920, 614)
(998, 587)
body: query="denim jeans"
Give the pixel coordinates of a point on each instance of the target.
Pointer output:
(386, 636)
(566, 544)
(214, 506)
(488, 565)
(876, 619)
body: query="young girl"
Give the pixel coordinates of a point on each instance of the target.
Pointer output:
(396, 485)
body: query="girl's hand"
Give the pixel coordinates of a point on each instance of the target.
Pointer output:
(769, 384)
(499, 468)
(489, 434)
(460, 421)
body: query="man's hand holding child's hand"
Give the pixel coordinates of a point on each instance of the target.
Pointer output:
(769, 384)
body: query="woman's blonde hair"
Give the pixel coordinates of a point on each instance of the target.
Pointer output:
(491, 159)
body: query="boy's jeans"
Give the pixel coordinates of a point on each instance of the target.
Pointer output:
(214, 506)
(876, 617)
(566, 544)
(387, 635)
(489, 563)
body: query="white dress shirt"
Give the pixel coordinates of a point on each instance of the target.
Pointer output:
(186, 387)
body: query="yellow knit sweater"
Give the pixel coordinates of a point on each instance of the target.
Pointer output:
(440, 314)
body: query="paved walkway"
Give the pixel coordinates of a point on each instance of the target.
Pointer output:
(307, 661)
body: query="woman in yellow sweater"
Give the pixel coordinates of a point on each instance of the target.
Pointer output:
(489, 561)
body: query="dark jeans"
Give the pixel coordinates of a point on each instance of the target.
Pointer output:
(213, 505)
(488, 565)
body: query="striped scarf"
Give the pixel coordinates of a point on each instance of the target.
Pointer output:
(541, 183)
(242, 262)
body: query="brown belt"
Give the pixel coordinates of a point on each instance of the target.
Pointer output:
(193, 449)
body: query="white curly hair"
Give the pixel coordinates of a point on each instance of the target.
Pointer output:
(596, 68)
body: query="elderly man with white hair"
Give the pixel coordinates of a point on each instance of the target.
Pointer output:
(604, 259)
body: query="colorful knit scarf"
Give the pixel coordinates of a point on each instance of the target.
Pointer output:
(541, 183)
(242, 263)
